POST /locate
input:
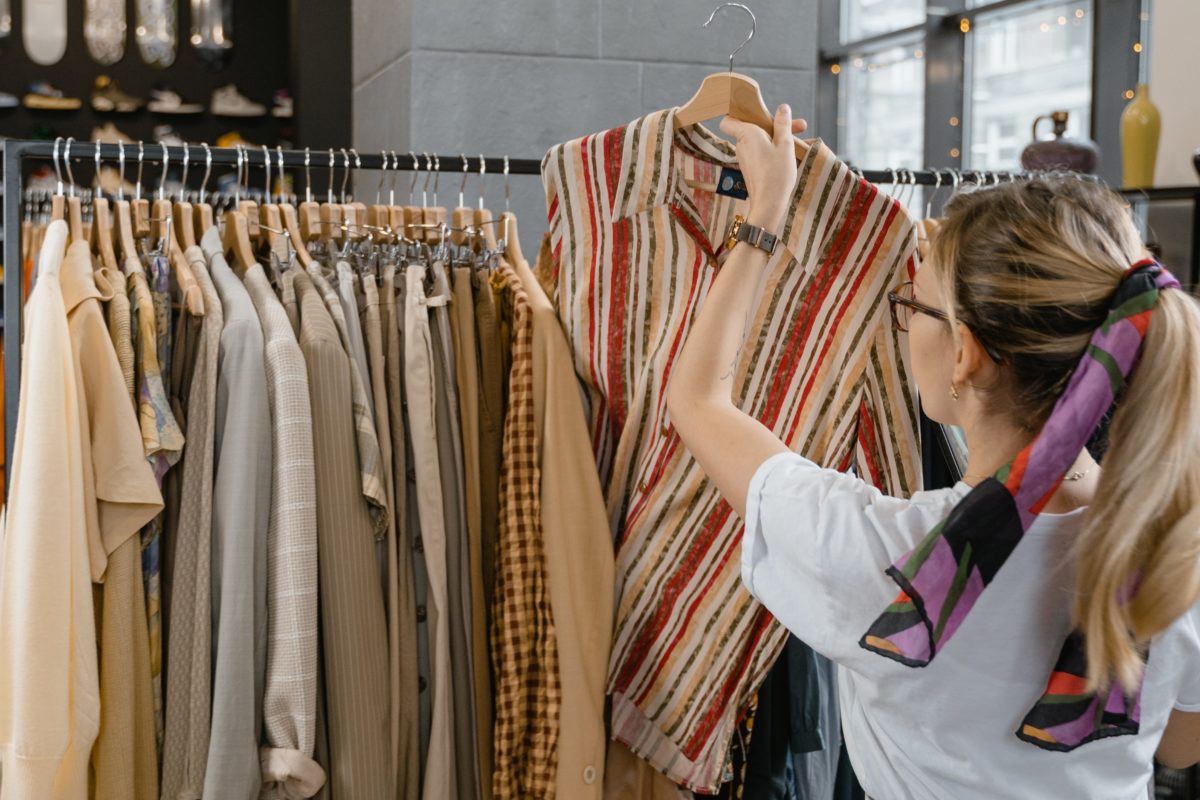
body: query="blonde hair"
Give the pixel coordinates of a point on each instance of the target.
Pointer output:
(1030, 268)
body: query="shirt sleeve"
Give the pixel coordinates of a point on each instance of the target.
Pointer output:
(887, 444)
(1188, 698)
(817, 543)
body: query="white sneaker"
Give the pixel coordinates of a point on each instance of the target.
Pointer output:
(229, 102)
(165, 101)
(9, 100)
(165, 134)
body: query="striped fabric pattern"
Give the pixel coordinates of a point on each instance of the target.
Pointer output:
(524, 644)
(636, 232)
(945, 575)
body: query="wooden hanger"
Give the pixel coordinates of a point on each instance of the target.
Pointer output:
(126, 241)
(236, 240)
(512, 247)
(102, 232)
(483, 221)
(731, 94)
(287, 213)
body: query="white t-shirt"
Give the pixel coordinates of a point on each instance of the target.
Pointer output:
(816, 546)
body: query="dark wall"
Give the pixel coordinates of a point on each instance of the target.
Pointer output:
(259, 63)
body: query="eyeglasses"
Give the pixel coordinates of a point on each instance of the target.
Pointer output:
(904, 305)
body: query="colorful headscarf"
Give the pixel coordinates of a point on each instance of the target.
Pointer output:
(943, 577)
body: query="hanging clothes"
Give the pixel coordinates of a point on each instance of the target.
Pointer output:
(86, 484)
(635, 249)
(577, 547)
(189, 677)
(403, 622)
(353, 624)
(441, 774)
(290, 689)
(125, 756)
(241, 515)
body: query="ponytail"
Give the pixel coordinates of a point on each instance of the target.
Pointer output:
(1138, 556)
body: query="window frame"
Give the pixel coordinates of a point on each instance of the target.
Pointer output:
(1116, 26)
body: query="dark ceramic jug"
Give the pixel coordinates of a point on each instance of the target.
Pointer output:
(1061, 152)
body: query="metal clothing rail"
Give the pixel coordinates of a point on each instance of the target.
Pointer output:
(17, 151)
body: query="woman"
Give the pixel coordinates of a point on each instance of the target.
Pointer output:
(1045, 641)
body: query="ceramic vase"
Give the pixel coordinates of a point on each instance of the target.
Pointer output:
(1140, 128)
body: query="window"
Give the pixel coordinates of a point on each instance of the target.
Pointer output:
(883, 108)
(1022, 62)
(862, 19)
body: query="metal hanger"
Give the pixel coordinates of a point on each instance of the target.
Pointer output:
(937, 174)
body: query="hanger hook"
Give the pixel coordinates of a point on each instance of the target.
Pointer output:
(207, 171)
(237, 183)
(346, 174)
(67, 163)
(57, 166)
(382, 175)
(482, 176)
(412, 187)
(267, 171)
(162, 178)
(329, 194)
(97, 155)
(437, 176)
(462, 187)
(357, 163)
(187, 157)
(121, 164)
(506, 188)
(392, 181)
(753, 26)
(137, 186)
(282, 175)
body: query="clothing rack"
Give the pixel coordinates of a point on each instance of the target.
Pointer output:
(199, 157)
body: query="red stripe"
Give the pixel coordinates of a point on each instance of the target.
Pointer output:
(613, 140)
(616, 321)
(869, 443)
(1018, 470)
(694, 231)
(706, 724)
(645, 644)
(1141, 321)
(550, 212)
(1066, 683)
(856, 221)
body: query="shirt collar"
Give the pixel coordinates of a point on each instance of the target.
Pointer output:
(76, 278)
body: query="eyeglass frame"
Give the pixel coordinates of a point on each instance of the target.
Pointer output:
(897, 299)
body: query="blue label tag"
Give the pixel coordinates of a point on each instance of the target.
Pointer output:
(732, 184)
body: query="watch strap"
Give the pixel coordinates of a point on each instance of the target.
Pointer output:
(755, 236)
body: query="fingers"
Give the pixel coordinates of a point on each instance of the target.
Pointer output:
(736, 127)
(799, 125)
(783, 125)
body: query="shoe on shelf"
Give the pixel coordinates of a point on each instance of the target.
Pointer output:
(165, 134)
(43, 96)
(229, 102)
(110, 134)
(284, 107)
(107, 96)
(9, 100)
(233, 139)
(165, 101)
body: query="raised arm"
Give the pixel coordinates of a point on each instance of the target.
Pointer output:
(729, 444)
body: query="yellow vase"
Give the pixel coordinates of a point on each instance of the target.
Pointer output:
(1140, 127)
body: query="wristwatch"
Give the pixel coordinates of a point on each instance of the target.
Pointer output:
(741, 231)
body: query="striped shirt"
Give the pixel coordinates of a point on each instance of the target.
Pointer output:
(636, 230)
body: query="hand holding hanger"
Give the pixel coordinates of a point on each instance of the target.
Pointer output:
(768, 165)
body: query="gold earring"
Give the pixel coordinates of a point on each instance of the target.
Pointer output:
(954, 390)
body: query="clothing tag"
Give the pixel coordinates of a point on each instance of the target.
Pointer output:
(732, 184)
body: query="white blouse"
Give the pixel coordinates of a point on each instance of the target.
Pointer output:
(816, 545)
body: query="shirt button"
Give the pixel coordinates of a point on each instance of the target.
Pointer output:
(643, 486)
(589, 775)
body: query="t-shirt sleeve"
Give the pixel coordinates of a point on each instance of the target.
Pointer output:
(1188, 698)
(816, 545)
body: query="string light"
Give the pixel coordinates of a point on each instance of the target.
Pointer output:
(1079, 13)
(964, 25)
(954, 122)
(1044, 27)
(918, 53)
(1062, 20)
(954, 152)
(1137, 47)
(870, 67)
(1129, 94)
(858, 62)
(836, 69)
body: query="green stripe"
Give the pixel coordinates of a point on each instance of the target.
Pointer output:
(1060, 699)
(1003, 473)
(1134, 305)
(1115, 379)
(956, 590)
(923, 550)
